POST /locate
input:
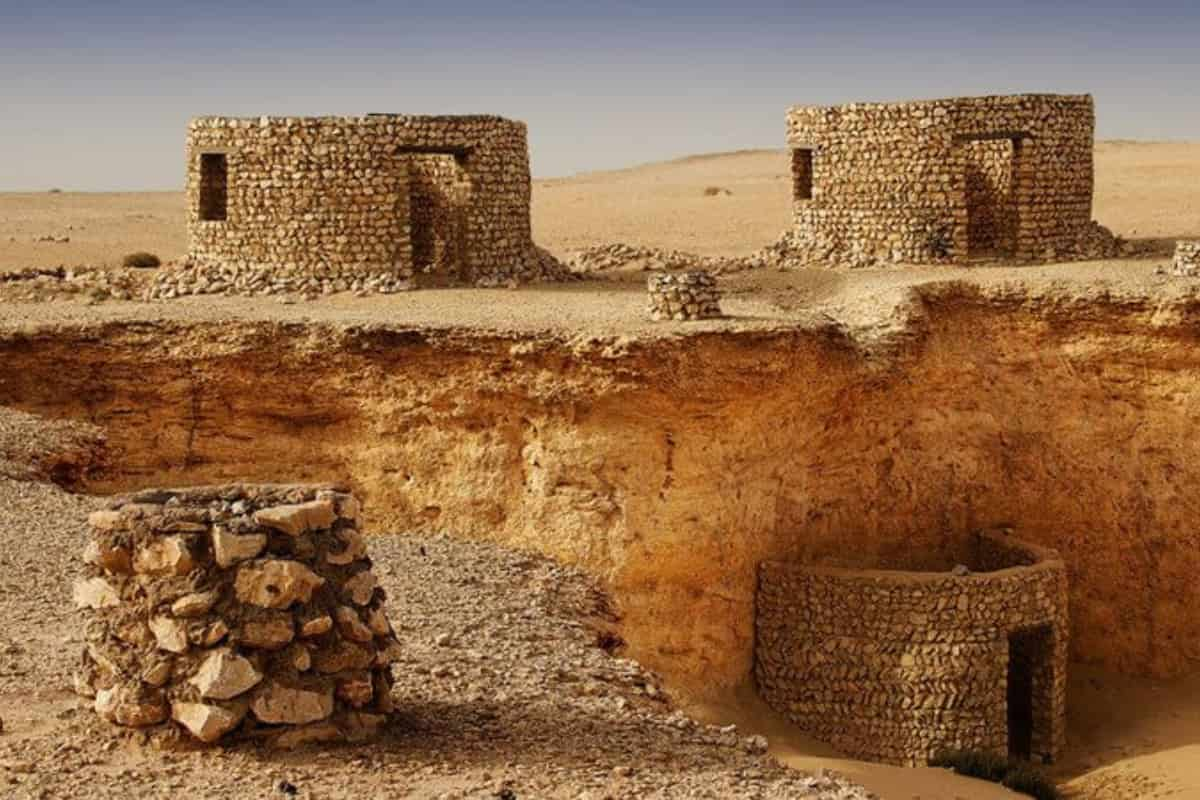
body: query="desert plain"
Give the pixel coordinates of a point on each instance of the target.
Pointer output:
(504, 691)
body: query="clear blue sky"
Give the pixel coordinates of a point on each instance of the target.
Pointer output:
(95, 95)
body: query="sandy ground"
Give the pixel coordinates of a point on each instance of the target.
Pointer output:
(1130, 738)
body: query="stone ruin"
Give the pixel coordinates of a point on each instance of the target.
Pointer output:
(1187, 259)
(689, 295)
(236, 612)
(901, 666)
(363, 204)
(945, 181)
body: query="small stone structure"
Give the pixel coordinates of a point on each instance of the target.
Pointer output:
(900, 666)
(686, 295)
(236, 611)
(362, 203)
(1187, 259)
(946, 180)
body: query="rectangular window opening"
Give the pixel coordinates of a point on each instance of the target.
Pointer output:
(802, 174)
(214, 187)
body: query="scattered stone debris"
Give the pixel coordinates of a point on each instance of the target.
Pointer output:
(690, 295)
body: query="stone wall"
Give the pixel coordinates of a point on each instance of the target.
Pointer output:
(900, 666)
(235, 611)
(947, 180)
(1187, 259)
(351, 197)
(686, 295)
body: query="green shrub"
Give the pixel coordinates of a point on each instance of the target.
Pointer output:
(1016, 775)
(141, 260)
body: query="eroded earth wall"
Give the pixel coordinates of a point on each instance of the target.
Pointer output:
(673, 467)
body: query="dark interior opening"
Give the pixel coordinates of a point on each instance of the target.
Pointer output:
(439, 194)
(214, 187)
(802, 174)
(1028, 652)
(991, 195)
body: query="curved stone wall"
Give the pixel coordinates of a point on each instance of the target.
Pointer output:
(900, 666)
(358, 197)
(946, 180)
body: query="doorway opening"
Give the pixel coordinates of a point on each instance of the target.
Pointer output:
(1029, 668)
(991, 194)
(439, 196)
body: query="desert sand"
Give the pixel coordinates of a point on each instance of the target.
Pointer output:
(1129, 737)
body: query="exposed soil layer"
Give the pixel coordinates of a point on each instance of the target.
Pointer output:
(671, 466)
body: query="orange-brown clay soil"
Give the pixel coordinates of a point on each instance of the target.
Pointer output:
(872, 410)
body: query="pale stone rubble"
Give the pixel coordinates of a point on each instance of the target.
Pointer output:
(689, 295)
(1186, 263)
(946, 180)
(925, 671)
(240, 609)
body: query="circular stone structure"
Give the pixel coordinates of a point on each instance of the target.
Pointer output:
(688, 295)
(900, 666)
(238, 611)
(1187, 259)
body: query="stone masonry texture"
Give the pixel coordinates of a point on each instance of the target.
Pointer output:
(1187, 259)
(901, 666)
(382, 198)
(946, 181)
(235, 611)
(686, 295)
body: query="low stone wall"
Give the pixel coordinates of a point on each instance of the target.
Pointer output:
(1187, 259)
(236, 611)
(901, 666)
(686, 295)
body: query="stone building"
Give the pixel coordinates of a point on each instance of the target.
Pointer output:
(946, 180)
(900, 666)
(382, 196)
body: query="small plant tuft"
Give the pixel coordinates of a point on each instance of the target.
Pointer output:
(140, 259)
(1016, 775)
(713, 191)
(56, 190)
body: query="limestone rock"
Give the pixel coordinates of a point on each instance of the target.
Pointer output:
(131, 707)
(169, 555)
(354, 548)
(341, 656)
(314, 733)
(196, 604)
(299, 518)
(109, 557)
(317, 626)
(230, 548)
(267, 633)
(214, 633)
(361, 588)
(225, 675)
(277, 704)
(276, 583)
(351, 626)
(157, 674)
(95, 593)
(169, 634)
(206, 722)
